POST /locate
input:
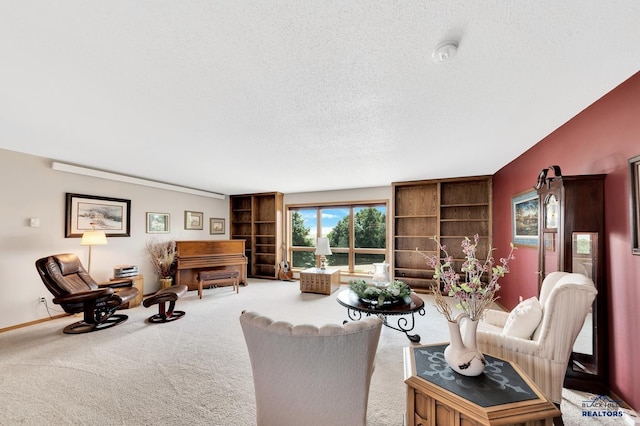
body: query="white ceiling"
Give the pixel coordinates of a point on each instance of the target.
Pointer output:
(272, 95)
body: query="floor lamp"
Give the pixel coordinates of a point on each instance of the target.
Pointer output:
(93, 238)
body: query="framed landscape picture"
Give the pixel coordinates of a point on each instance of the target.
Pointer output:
(524, 213)
(87, 212)
(158, 223)
(193, 220)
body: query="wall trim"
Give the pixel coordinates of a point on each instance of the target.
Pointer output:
(69, 168)
(26, 324)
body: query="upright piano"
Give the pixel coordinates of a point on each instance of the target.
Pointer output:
(207, 255)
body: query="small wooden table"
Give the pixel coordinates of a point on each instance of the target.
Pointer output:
(322, 281)
(356, 307)
(136, 281)
(502, 395)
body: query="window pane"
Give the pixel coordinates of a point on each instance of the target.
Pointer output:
(304, 223)
(335, 225)
(338, 261)
(303, 259)
(370, 227)
(365, 261)
(349, 228)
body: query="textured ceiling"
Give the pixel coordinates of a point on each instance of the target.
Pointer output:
(294, 96)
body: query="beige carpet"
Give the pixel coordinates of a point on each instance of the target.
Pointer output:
(192, 371)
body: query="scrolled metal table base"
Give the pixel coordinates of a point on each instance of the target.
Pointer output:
(356, 309)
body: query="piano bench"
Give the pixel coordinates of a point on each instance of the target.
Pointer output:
(169, 294)
(217, 277)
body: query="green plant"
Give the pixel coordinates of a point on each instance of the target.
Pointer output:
(397, 290)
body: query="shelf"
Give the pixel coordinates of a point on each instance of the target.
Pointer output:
(447, 209)
(444, 206)
(257, 218)
(461, 237)
(426, 280)
(464, 220)
(414, 236)
(413, 251)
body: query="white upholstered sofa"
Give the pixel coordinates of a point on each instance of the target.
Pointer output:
(307, 375)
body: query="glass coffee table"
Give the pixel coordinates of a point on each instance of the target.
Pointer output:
(356, 308)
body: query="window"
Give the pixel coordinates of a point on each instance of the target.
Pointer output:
(357, 235)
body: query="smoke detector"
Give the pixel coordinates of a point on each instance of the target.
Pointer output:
(445, 51)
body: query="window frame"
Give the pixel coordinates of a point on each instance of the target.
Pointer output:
(351, 250)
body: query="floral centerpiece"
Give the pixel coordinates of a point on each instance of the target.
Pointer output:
(395, 292)
(473, 294)
(163, 257)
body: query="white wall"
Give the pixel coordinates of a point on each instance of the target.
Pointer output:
(348, 195)
(30, 188)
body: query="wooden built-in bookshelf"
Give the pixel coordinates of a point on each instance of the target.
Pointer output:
(448, 209)
(257, 219)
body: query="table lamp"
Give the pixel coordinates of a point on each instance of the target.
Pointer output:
(93, 238)
(322, 250)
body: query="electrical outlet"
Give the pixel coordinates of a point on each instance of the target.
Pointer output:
(42, 300)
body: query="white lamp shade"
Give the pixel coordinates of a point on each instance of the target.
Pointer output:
(322, 247)
(93, 238)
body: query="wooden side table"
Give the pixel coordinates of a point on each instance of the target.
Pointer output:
(136, 281)
(502, 395)
(322, 281)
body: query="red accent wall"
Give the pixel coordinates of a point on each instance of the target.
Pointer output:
(600, 139)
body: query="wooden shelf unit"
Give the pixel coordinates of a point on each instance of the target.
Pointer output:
(448, 209)
(257, 219)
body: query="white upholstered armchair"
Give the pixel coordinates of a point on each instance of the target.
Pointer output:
(305, 375)
(566, 299)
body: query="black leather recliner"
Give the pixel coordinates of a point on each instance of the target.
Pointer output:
(75, 291)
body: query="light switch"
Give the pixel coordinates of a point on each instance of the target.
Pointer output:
(34, 222)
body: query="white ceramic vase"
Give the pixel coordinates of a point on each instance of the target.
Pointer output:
(462, 354)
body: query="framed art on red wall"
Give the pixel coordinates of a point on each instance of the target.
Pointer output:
(524, 214)
(634, 185)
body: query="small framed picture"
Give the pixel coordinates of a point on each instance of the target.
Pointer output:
(158, 223)
(193, 220)
(216, 226)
